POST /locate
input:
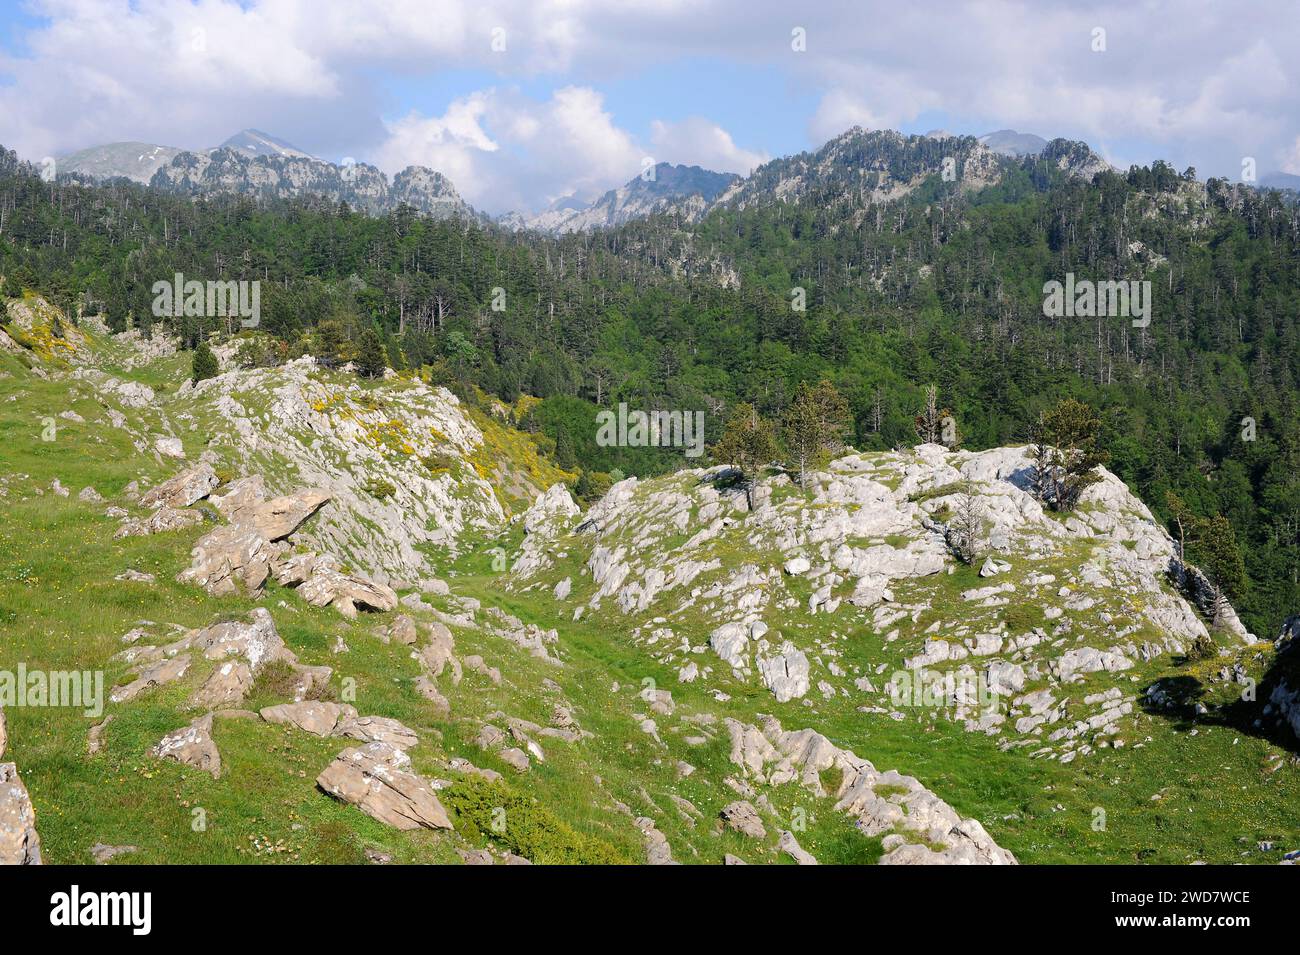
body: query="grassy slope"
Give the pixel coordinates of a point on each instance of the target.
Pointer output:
(61, 609)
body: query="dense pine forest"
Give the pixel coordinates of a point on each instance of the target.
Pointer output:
(941, 286)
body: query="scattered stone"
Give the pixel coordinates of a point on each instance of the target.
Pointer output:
(135, 576)
(992, 567)
(402, 630)
(378, 729)
(797, 566)
(346, 593)
(883, 803)
(94, 739)
(165, 671)
(788, 844)
(429, 690)
(785, 675)
(192, 746)
(657, 849)
(743, 818)
(313, 716)
(186, 488)
(169, 447)
(516, 759)
(376, 779)
(475, 664)
(103, 853)
(163, 520)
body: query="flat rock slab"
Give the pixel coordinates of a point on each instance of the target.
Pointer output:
(186, 488)
(378, 729)
(312, 716)
(376, 779)
(102, 853)
(743, 817)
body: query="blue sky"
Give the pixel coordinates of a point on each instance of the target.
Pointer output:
(583, 91)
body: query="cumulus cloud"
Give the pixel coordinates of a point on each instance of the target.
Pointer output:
(696, 141)
(505, 150)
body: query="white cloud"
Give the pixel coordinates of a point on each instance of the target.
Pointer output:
(839, 110)
(696, 141)
(1290, 158)
(505, 150)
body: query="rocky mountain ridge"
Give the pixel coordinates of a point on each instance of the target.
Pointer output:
(228, 170)
(684, 191)
(139, 161)
(863, 166)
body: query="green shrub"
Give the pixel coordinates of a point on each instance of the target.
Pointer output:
(378, 487)
(276, 681)
(437, 463)
(1203, 648)
(526, 828)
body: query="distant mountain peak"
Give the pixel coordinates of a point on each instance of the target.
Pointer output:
(665, 187)
(236, 169)
(254, 142)
(1010, 142)
(129, 160)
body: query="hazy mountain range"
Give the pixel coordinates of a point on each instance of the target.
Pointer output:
(254, 163)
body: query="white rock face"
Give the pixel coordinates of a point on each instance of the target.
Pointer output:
(887, 802)
(864, 545)
(396, 462)
(1072, 663)
(169, 447)
(19, 843)
(731, 642)
(786, 675)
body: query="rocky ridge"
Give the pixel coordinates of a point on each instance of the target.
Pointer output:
(711, 588)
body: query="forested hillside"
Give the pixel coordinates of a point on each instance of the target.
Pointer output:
(908, 279)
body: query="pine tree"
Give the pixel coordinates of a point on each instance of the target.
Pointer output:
(814, 425)
(371, 360)
(1219, 558)
(929, 423)
(1066, 455)
(965, 531)
(204, 364)
(1209, 544)
(565, 456)
(748, 444)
